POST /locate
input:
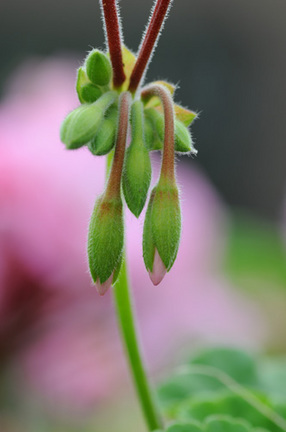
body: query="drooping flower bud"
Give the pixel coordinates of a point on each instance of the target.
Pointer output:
(162, 230)
(98, 68)
(137, 166)
(80, 126)
(105, 240)
(104, 140)
(106, 230)
(162, 227)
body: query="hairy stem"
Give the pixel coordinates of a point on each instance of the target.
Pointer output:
(149, 42)
(112, 25)
(168, 161)
(114, 181)
(127, 326)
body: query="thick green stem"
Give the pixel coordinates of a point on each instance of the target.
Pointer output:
(126, 322)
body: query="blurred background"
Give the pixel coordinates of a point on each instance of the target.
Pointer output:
(62, 367)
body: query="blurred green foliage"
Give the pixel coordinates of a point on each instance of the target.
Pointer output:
(226, 390)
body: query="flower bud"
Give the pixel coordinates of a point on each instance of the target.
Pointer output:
(137, 165)
(81, 80)
(80, 126)
(183, 141)
(105, 241)
(162, 230)
(104, 140)
(90, 93)
(98, 68)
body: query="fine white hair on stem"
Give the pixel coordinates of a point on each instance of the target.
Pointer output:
(104, 23)
(157, 38)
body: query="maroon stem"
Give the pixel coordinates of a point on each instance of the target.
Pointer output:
(149, 42)
(168, 161)
(112, 26)
(114, 181)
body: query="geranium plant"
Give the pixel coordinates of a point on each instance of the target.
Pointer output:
(126, 120)
(122, 117)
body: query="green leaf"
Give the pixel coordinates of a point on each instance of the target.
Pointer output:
(192, 426)
(236, 363)
(226, 424)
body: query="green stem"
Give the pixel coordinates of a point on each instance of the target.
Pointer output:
(126, 322)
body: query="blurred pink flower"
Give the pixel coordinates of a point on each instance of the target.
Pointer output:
(53, 324)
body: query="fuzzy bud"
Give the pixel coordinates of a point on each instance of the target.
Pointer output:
(80, 126)
(183, 141)
(98, 68)
(162, 230)
(90, 93)
(137, 166)
(104, 140)
(105, 241)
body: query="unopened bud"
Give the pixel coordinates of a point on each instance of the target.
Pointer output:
(162, 230)
(90, 93)
(80, 126)
(137, 165)
(104, 140)
(105, 241)
(154, 120)
(82, 80)
(98, 68)
(183, 141)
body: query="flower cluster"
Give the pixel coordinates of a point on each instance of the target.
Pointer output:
(108, 106)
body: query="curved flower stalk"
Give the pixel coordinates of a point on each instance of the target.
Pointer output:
(109, 83)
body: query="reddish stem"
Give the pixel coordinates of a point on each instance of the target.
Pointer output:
(114, 181)
(112, 26)
(168, 161)
(149, 42)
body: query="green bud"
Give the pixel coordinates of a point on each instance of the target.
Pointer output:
(104, 140)
(80, 126)
(153, 117)
(183, 141)
(105, 240)
(148, 132)
(90, 92)
(82, 80)
(98, 68)
(137, 165)
(162, 230)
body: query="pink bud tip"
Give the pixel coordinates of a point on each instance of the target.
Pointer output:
(159, 270)
(103, 287)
